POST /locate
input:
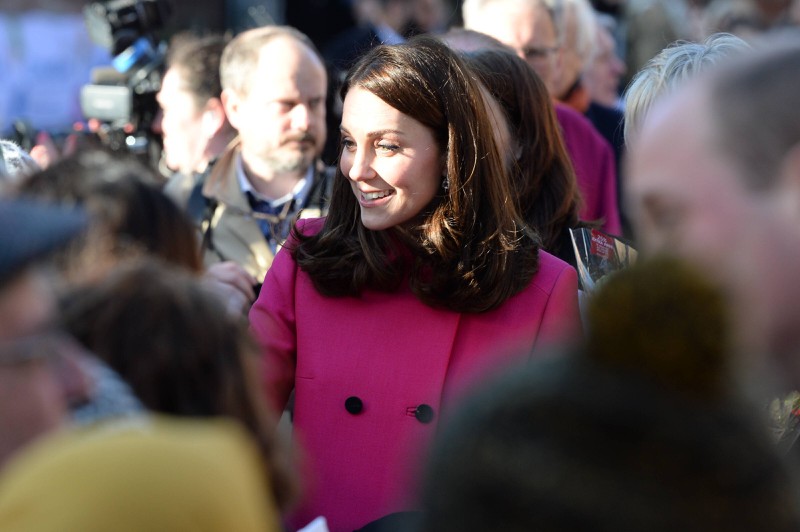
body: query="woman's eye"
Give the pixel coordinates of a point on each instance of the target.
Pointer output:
(385, 147)
(348, 144)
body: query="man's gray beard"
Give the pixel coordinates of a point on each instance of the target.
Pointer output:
(298, 163)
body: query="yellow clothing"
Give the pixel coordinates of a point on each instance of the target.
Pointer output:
(163, 475)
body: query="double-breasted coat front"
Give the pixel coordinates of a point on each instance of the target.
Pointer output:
(374, 374)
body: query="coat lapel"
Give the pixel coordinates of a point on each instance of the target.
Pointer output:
(236, 235)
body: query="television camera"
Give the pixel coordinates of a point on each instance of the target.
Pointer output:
(122, 98)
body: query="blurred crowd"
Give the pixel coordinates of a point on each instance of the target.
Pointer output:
(367, 272)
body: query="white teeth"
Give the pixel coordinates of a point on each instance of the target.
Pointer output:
(375, 195)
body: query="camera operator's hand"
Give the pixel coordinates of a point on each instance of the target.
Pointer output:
(233, 285)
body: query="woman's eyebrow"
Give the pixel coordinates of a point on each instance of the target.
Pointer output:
(377, 133)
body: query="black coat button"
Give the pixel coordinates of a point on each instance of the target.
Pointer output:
(354, 405)
(424, 413)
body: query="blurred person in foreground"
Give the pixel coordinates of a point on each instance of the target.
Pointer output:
(141, 473)
(643, 428)
(129, 215)
(41, 375)
(715, 177)
(672, 67)
(168, 336)
(155, 475)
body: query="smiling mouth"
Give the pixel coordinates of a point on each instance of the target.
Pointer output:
(369, 196)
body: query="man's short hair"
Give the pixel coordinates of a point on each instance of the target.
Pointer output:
(197, 59)
(670, 68)
(240, 57)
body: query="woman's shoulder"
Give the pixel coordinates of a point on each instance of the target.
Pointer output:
(310, 226)
(552, 270)
(303, 227)
(284, 262)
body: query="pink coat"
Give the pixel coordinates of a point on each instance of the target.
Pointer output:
(373, 374)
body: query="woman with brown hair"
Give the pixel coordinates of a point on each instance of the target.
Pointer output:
(423, 278)
(546, 188)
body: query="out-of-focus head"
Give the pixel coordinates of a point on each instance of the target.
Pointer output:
(274, 87)
(645, 413)
(546, 188)
(576, 27)
(527, 26)
(159, 474)
(129, 213)
(672, 67)
(192, 112)
(167, 336)
(605, 69)
(40, 374)
(713, 176)
(170, 338)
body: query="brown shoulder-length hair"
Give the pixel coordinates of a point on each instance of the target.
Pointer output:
(547, 190)
(470, 250)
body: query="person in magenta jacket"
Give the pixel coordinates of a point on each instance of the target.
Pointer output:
(422, 280)
(595, 167)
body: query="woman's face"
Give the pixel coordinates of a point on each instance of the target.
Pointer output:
(392, 161)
